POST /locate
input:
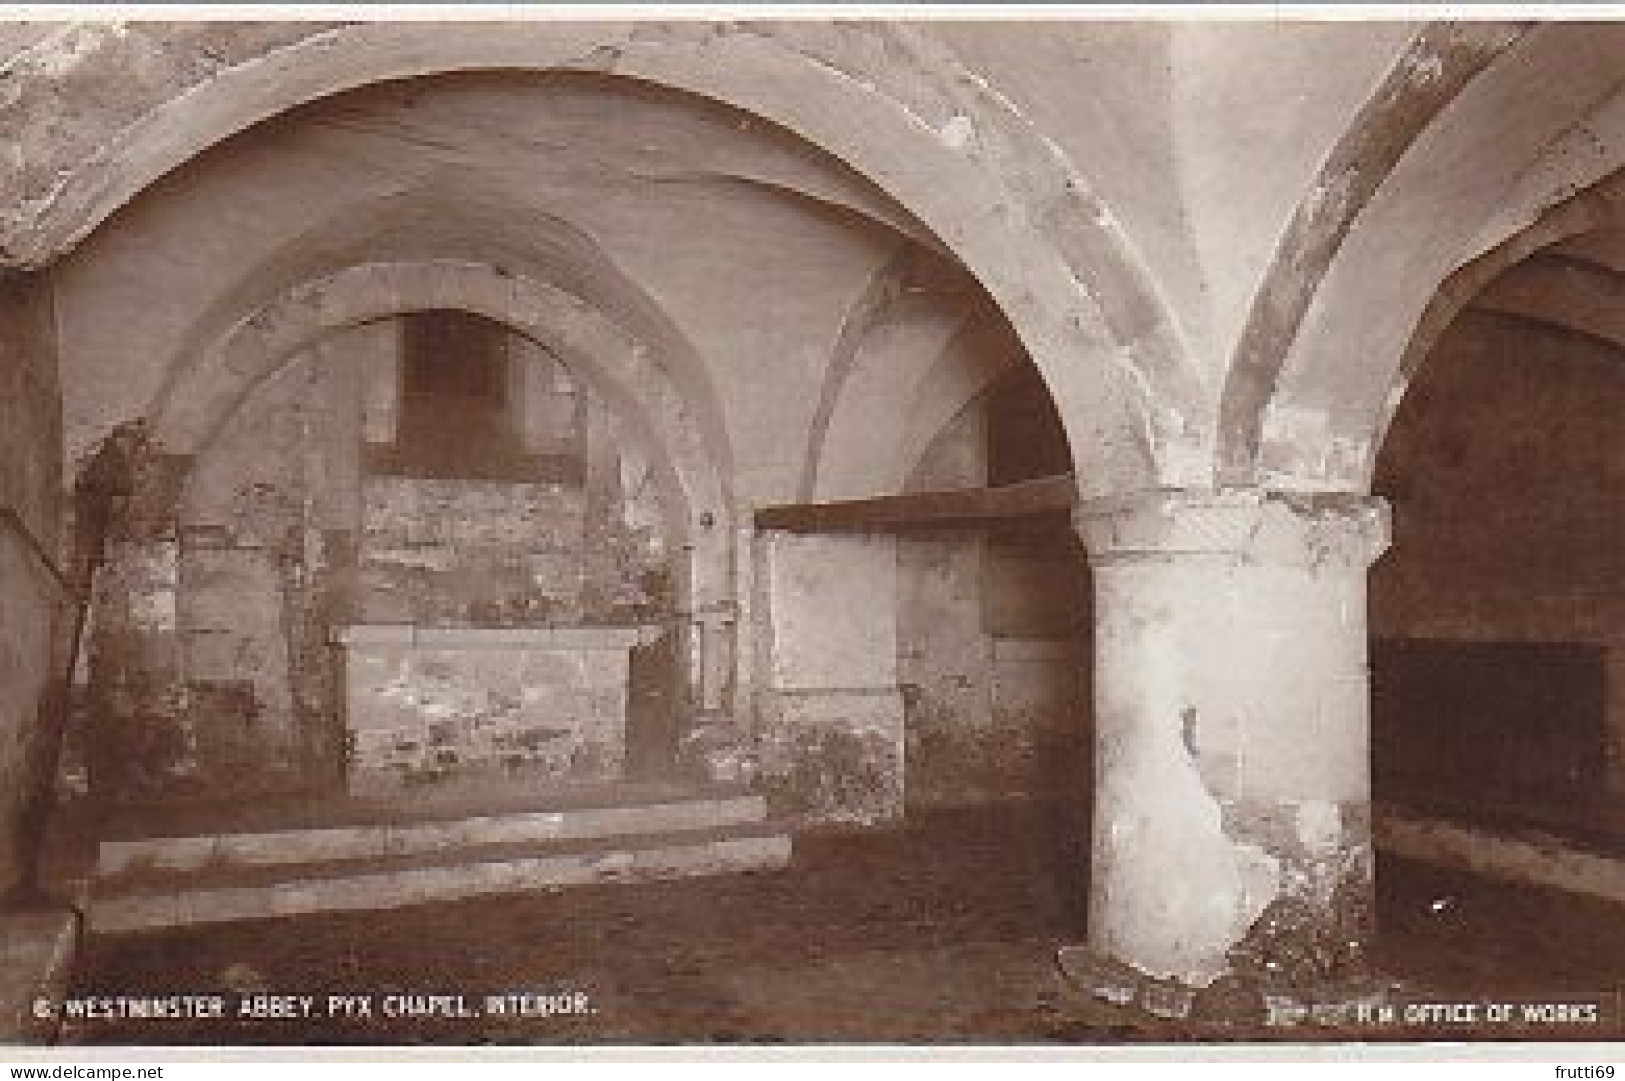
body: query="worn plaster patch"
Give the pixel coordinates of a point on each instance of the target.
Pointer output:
(1421, 68)
(957, 132)
(1175, 891)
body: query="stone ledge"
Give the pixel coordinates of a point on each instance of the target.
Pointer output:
(37, 951)
(1531, 856)
(458, 875)
(131, 858)
(561, 638)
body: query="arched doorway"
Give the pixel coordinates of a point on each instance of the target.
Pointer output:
(1495, 668)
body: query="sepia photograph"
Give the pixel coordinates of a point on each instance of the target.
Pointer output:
(932, 527)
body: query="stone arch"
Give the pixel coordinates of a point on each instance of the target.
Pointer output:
(964, 371)
(1567, 294)
(947, 149)
(606, 358)
(1392, 215)
(862, 450)
(1596, 209)
(855, 454)
(490, 226)
(879, 292)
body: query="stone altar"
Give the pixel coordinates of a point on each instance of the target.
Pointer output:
(442, 705)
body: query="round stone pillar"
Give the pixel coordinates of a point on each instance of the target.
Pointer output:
(1232, 835)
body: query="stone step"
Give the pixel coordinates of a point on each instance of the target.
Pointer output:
(463, 796)
(573, 818)
(153, 899)
(1528, 855)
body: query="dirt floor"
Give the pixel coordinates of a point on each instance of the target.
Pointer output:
(944, 932)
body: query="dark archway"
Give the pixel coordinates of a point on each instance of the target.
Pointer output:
(1496, 615)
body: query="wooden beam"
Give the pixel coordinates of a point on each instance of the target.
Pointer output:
(926, 510)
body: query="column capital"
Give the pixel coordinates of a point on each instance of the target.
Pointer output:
(1245, 525)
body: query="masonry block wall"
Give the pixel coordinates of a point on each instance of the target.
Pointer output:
(993, 646)
(830, 713)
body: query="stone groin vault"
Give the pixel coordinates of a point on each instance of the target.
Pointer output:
(874, 417)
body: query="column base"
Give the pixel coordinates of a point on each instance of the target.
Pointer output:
(1346, 1008)
(1122, 985)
